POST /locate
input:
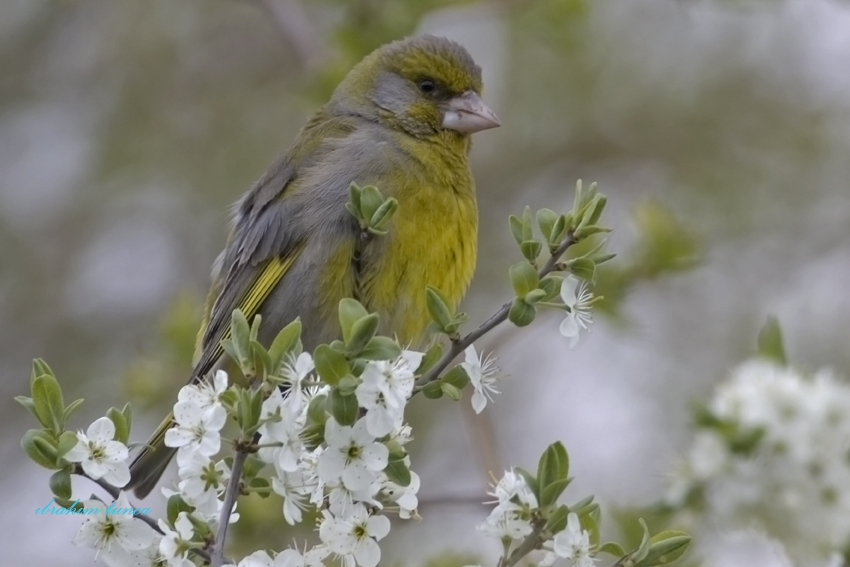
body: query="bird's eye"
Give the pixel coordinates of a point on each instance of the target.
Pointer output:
(427, 86)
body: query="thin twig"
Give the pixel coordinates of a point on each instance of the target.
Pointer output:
(494, 321)
(230, 495)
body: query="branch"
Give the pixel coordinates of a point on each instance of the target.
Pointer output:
(494, 321)
(230, 495)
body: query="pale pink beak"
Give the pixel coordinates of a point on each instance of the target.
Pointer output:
(468, 114)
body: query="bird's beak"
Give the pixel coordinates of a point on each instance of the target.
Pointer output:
(468, 114)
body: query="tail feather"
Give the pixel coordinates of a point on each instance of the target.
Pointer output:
(151, 462)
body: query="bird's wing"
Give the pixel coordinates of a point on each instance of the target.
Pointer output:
(266, 240)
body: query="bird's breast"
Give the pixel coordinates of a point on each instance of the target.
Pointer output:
(432, 241)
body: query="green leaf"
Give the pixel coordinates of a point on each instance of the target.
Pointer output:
(553, 491)
(531, 249)
(557, 519)
(578, 202)
(438, 307)
(457, 377)
(552, 472)
(583, 268)
(381, 348)
(383, 215)
(330, 364)
(594, 211)
(39, 447)
(261, 486)
(174, 507)
(523, 278)
(535, 296)
(433, 390)
(666, 547)
(60, 483)
(48, 402)
(316, 409)
(72, 407)
(643, 549)
(261, 358)
(344, 408)
(588, 231)
(398, 472)
(127, 412)
(558, 232)
(516, 229)
(347, 385)
(350, 311)
(67, 441)
(353, 205)
(286, 342)
(47, 398)
(770, 344)
(601, 258)
(450, 391)
(40, 368)
(231, 349)
(527, 227)
(551, 284)
(521, 313)
(431, 357)
(612, 548)
(122, 430)
(362, 332)
(546, 219)
(370, 201)
(240, 333)
(589, 523)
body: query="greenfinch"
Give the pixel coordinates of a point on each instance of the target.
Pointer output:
(400, 120)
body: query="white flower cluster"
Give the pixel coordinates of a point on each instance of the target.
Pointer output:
(516, 507)
(776, 456)
(345, 476)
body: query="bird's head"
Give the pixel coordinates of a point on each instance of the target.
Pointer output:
(424, 85)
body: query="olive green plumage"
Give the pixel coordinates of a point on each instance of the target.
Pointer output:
(400, 120)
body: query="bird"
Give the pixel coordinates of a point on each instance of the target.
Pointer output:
(401, 120)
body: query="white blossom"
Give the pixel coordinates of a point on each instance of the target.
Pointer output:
(114, 535)
(294, 371)
(196, 429)
(578, 300)
(513, 486)
(483, 374)
(100, 455)
(384, 389)
(573, 543)
(354, 538)
(341, 499)
(352, 454)
(202, 481)
(206, 393)
(775, 459)
(282, 425)
(403, 496)
(295, 488)
(514, 503)
(174, 545)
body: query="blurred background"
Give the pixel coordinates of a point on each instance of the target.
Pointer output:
(720, 131)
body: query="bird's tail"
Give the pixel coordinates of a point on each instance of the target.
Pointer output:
(150, 463)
